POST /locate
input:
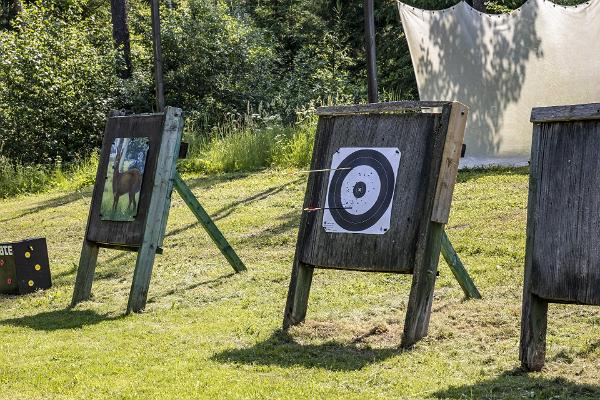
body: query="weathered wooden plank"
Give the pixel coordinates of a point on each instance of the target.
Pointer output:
(420, 138)
(450, 159)
(577, 112)
(374, 108)
(208, 224)
(306, 221)
(565, 220)
(85, 272)
(458, 269)
(302, 279)
(421, 292)
(157, 210)
(534, 322)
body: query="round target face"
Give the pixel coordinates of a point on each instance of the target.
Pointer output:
(361, 189)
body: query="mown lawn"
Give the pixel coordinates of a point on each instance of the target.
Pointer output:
(208, 333)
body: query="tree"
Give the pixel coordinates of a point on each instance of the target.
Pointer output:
(120, 30)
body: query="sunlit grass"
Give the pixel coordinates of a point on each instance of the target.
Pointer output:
(209, 333)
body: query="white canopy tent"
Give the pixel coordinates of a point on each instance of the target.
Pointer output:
(501, 66)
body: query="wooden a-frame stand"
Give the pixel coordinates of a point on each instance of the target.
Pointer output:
(165, 178)
(316, 249)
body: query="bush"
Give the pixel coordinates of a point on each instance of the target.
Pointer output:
(58, 80)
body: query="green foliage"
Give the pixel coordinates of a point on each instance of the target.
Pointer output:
(294, 150)
(18, 179)
(57, 82)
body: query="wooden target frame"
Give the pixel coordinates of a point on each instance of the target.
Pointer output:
(562, 256)
(145, 233)
(429, 135)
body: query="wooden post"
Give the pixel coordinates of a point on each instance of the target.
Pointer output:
(85, 273)
(421, 291)
(158, 74)
(158, 209)
(534, 321)
(297, 302)
(370, 48)
(206, 222)
(458, 269)
(534, 312)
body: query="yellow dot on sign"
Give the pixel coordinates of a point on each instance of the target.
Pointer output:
(38, 267)
(30, 283)
(27, 254)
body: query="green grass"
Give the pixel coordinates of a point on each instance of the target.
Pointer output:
(209, 333)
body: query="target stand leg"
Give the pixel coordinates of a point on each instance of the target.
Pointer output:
(208, 224)
(458, 269)
(85, 272)
(534, 322)
(421, 292)
(297, 301)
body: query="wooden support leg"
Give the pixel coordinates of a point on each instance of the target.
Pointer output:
(141, 278)
(85, 272)
(210, 227)
(458, 269)
(421, 292)
(297, 301)
(534, 321)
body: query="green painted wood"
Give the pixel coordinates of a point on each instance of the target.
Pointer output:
(208, 224)
(85, 273)
(458, 269)
(301, 281)
(158, 211)
(421, 292)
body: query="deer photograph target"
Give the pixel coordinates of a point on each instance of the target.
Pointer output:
(360, 191)
(124, 179)
(378, 194)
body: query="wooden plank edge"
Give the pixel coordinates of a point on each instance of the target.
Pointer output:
(392, 106)
(576, 112)
(450, 159)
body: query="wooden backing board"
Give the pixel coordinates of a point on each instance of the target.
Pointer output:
(577, 112)
(125, 234)
(563, 245)
(421, 138)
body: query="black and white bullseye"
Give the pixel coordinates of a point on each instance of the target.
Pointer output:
(361, 189)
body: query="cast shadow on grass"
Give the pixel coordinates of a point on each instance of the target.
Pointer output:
(282, 350)
(228, 209)
(465, 175)
(52, 203)
(518, 384)
(60, 319)
(211, 283)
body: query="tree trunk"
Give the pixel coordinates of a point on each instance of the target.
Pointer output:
(479, 5)
(118, 11)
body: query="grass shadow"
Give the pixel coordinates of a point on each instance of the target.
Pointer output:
(281, 349)
(60, 319)
(207, 181)
(211, 283)
(467, 174)
(52, 203)
(518, 384)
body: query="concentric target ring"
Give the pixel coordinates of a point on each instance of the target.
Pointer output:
(359, 222)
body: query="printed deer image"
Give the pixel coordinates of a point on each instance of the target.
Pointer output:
(125, 182)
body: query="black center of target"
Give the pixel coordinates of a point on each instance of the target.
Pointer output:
(385, 173)
(359, 189)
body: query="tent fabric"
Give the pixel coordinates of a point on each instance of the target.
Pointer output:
(501, 66)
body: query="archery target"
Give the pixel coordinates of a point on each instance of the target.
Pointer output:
(361, 189)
